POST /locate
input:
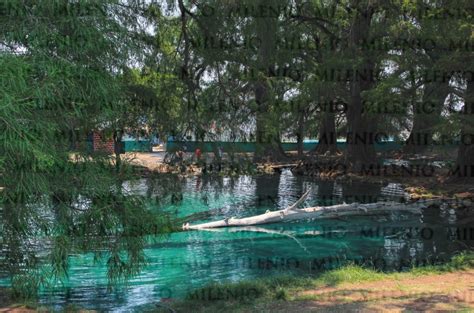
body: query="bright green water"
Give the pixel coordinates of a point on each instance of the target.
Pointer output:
(188, 260)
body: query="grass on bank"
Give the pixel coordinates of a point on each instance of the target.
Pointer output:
(255, 295)
(250, 295)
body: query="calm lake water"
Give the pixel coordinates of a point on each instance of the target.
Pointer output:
(183, 261)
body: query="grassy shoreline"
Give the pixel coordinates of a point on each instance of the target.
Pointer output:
(282, 292)
(266, 293)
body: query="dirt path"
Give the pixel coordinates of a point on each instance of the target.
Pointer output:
(150, 160)
(444, 292)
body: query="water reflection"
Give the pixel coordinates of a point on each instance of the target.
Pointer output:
(187, 260)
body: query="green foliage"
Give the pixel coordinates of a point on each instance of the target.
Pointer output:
(350, 273)
(60, 80)
(71, 67)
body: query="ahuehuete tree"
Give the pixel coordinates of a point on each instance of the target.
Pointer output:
(60, 63)
(461, 62)
(235, 39)
(435, 75)
(238, 56)
(376, 89)
(429, 66)
(323, 29)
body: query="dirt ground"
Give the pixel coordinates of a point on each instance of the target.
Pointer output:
(433, 293)
(150, 160)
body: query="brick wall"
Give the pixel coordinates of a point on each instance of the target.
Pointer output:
(103, 143)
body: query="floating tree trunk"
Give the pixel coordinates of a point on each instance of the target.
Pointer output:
(292, 213)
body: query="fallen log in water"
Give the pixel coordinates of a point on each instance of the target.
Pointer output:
(292, 213)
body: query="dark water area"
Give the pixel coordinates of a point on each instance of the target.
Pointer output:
(183, 261)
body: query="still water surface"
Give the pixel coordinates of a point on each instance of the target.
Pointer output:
(186, 260)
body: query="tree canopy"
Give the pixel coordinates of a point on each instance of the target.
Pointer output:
(260, 70)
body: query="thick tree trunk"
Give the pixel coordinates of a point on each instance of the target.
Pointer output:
(465, 159)
(117, 149)
(268, 135)
(327, 140)
(361, 127)
(300, 134)
(426, 116)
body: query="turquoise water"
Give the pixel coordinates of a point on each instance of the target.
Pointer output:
(186, 260)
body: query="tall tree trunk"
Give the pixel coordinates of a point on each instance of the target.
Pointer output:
(268, 136)
(117, 149)
(327, 139)
(360, 127)
(426, 116)
(300, 134)
(465, 159)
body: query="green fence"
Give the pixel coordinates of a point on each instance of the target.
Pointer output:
(137, 145)
(207, 146)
